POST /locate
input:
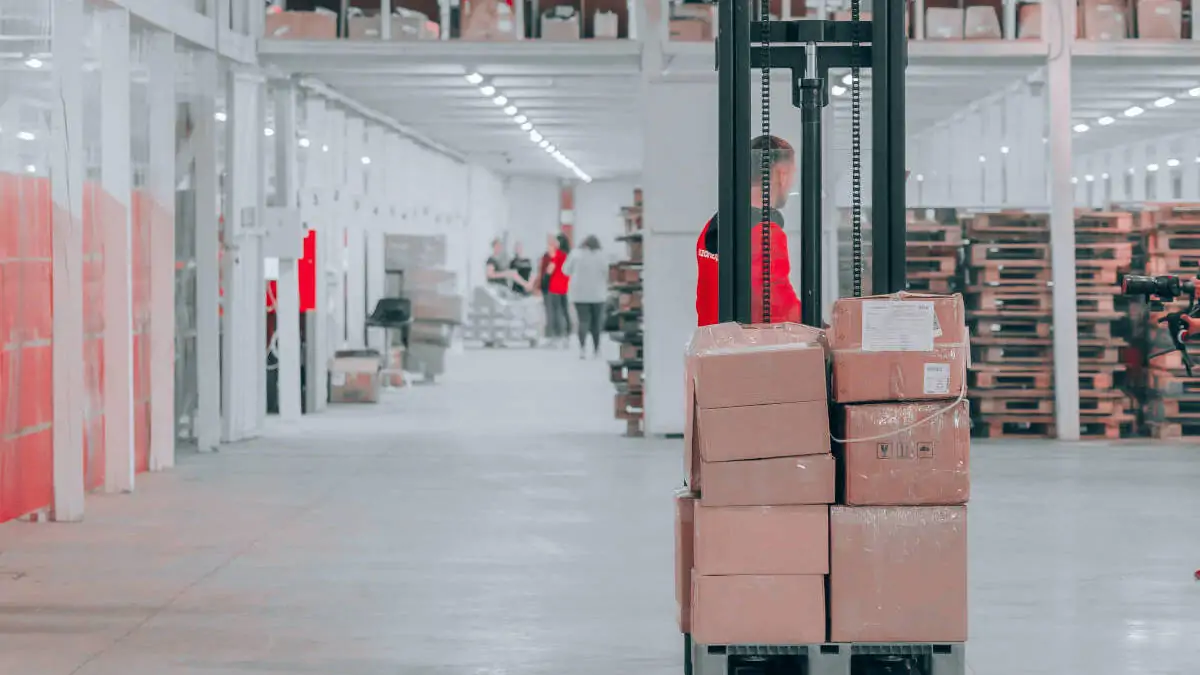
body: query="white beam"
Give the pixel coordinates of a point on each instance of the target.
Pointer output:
(1062, 221)
(67, 173)
(161, 180)
(208, 264)
(116, 179)
(287, 310)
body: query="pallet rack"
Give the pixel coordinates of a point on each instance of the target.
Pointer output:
(933, 247)
(1007, 290)
(625, 281)
(1171, 402)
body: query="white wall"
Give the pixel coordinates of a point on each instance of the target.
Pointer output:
(532, 212)
(598, 210)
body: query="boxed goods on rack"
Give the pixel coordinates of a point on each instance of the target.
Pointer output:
(1104, 19)
(406, 24)
(625, 321)
(560, 23)
(1159, 19)
(489, 20)
(316, 25)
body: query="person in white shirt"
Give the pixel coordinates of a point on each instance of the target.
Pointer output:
(588, 269)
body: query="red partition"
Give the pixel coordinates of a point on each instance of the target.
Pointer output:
(26, 375)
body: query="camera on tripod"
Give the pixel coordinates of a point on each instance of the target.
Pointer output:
(1181, 325)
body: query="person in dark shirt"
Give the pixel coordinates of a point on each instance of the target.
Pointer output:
(522, 269)
(497, 272)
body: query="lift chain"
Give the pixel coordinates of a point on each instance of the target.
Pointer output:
(766, 158)
(856, 160)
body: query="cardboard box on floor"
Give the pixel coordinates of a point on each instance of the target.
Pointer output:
(900, 347)
(898, 574)
(758, 609)
(754, 392)
(355, 378)
(685, 524)
(927, 464)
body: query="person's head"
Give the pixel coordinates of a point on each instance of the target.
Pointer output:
(564, 244)
(518, 249)
(781, 162)
(591, 243)
(497, 247)
(551, 243)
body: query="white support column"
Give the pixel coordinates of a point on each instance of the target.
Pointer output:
(993, 139)
(376, 213)
(161, 181)
(117, 179)
(287, 310)
(338, 214)
(356, 275)
(1140, 161)
(315, 210)
(1010, 19)
(205, 137)
(66, 171)
(385, 16)
(1062, 224)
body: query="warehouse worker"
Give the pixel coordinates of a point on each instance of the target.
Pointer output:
(785, 305)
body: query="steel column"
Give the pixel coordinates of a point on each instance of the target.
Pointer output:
(888, 234)
(733, 211)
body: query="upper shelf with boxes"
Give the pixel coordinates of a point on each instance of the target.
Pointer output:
(429, 20)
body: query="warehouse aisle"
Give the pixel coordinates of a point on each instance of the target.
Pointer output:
(496, 524)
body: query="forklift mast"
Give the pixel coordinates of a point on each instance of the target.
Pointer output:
(808, 49)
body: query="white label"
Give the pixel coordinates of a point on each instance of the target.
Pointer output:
(937, 378)
(893, 326)
(339, 379)
(1162, 10)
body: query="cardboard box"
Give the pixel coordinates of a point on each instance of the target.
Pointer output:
(925, 465)
(561, 23)
(776, 481)
(944, 23)
(685, 523)
(899, 347)
(606, 25)
(408, 25)
(898, 574)
(761, 540)
(1160, 19)
(1104, 20)
(436, 306)
(758, 609)
(1029, 21)
(690, 30)
(354, 379)
(317, 25)
(982, 23)
(488, 20)
(754, 392)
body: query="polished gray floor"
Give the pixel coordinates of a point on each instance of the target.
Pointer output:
(497, 524)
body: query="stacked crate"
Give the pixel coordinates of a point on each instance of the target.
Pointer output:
(625, 280)
(1103, 254)
(934, 243)
(1172, 406)
(1009, 313)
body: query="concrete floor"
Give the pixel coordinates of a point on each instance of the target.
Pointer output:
(496, 524)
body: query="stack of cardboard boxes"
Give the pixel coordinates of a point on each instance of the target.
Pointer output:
(783, 539)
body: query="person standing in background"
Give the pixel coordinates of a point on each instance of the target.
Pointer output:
(560, 310)
(588, 270)
(522, 269)
(497, 272)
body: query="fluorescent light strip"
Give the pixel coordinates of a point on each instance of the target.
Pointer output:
(1105, 121)
(534, 135)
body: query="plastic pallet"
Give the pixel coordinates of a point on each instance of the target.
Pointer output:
(828, 659)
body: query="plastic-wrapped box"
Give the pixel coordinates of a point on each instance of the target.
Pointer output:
(912, 453)
(944, 23)
(761, 540)
(758, 609)
(982, 23)
(1104, 20)
(1160, 19)
(685, 522)
(407, 24)
(316, 25)
(754, 392)
(1029, 21)
(810, 479)
(606, 25)
(900, 347)
(898, 574)
(560, 23)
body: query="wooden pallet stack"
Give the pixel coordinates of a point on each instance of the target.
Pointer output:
(934, 245)
(625, 280)
(1172, 401)
(1009, 314)
(1103, 254)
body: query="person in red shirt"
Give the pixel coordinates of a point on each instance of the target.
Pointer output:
(558, 308)
(785, 304)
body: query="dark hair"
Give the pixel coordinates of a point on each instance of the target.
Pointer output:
(591, 243)
(776, 149)
(564, 244)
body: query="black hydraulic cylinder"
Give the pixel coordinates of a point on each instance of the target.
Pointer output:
(812, 92)
(733, 207)
(888, 60)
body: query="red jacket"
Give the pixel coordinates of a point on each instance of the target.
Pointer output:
(559, 281)
(785, 305)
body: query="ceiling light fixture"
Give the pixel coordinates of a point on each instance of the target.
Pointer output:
(34, 62)
(837, 90)
(982, 158)
(543, 143)
(304, 142)
(1004, 149)
(31, 169)
(920, 178)
(500, 100)
(527, 126)
(1089, 178)
(1164, 102)
(510, 110)
(366, 161)
(1081, 127)
(848, 79)
(220, 117)
(1172, 162)
(1152, 167)
(474, 78)
(487, 90)
(1105, 121)
(1134, 111)
(521, 119)
(1194, 92)
(324, 148)
(26, 136)
(550, 149)
(535, 136)
(1074, 180)
(1103, 176)
(268, 132)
